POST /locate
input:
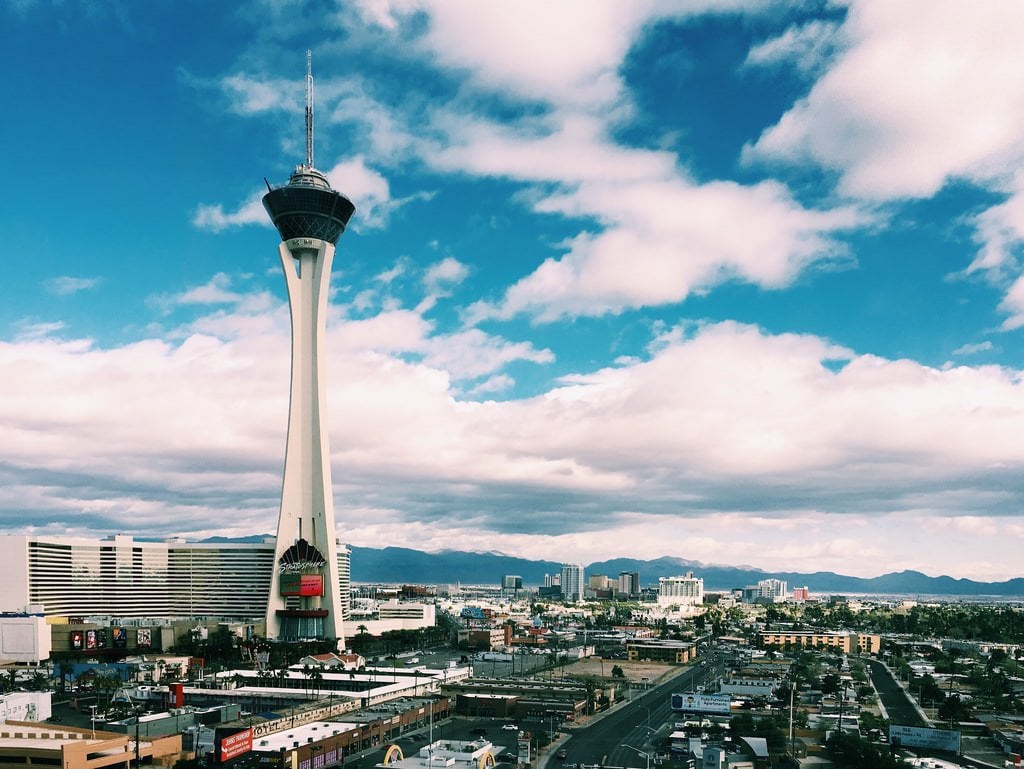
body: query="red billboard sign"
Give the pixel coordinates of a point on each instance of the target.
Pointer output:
(177, 695)
(302, 584)
(235, 745)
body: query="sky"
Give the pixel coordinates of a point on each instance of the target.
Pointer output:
(736, 281)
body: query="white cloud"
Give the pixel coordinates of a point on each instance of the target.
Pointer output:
(364, 187)
(214, 218)
(66, 285)
(925, 92)
(665, 240)
(808, 47)
(722, 423)
(215, 291)
(444, 274)
(973, 349)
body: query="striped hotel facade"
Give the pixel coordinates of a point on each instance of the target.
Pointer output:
(127, 578)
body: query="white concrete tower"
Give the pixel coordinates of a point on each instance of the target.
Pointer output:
(304, 599)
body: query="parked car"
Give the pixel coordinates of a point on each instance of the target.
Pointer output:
(561, 755)
(510, 727)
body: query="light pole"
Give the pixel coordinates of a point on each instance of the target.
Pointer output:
(647, 756)
(92, 718)
(138, 751)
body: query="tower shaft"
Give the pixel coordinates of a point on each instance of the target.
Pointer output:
(306, 526)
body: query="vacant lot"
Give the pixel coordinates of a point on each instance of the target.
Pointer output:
(635, 671)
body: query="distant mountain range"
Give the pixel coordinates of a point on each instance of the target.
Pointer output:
(392, 565)
(396, 564)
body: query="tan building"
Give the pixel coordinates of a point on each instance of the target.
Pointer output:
(848, 643)
(27, 743)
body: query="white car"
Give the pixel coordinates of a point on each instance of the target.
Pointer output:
(510, 727)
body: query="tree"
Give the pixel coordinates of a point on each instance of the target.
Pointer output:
(953, 709)
(851, 751)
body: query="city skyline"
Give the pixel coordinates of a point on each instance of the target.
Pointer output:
(739, 283)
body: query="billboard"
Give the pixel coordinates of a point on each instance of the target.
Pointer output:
(145, 637)
(90, 639)
(919, 737)
(702, 703)
(118, 637)
(235, 745)
(302, 584)
(177, 692)
(77, 639)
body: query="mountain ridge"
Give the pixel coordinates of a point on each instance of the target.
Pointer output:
(406, 565)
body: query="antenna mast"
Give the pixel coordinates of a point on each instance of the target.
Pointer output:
(309, 108)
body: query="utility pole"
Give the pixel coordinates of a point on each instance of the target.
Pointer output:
(792, 741)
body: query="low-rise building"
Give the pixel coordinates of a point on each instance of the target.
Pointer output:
(661, 650)
(843, 641)
(73, 748)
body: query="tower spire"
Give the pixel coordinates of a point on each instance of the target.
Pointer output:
(309, 108)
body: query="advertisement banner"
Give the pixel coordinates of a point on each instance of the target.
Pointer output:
(76, 639)
(145, 637)
(702, 703)
(302, 584)
(90, 639)
(119, 637)
(235, 745)
(919, 737)
(101, 638)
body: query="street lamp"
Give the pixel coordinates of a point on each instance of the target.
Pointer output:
(642, 753)
(92, 718)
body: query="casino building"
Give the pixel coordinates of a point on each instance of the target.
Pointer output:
(138, 582)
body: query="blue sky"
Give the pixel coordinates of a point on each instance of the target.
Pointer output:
(734, 281)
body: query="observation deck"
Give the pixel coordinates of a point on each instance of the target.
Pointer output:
(307, 207)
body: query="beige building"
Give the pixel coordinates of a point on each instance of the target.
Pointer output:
(29, 743)
(848, 643)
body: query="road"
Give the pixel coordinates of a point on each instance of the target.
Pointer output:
(900, 708)
(626, 735)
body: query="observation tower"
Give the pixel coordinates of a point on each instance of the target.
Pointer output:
(304, 599)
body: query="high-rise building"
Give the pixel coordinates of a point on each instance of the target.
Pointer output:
(310, 217)
(686, 590)
(772, 589)
(512, 582)
(629, 583)
(572, 581)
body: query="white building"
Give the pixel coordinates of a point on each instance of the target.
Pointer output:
(125, 578)
(686, 590)
(773, 589)
(572, 581)
(397, 615)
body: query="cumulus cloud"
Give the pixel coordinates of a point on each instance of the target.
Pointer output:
(921, 94)
(664, 241)
(723, 420)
